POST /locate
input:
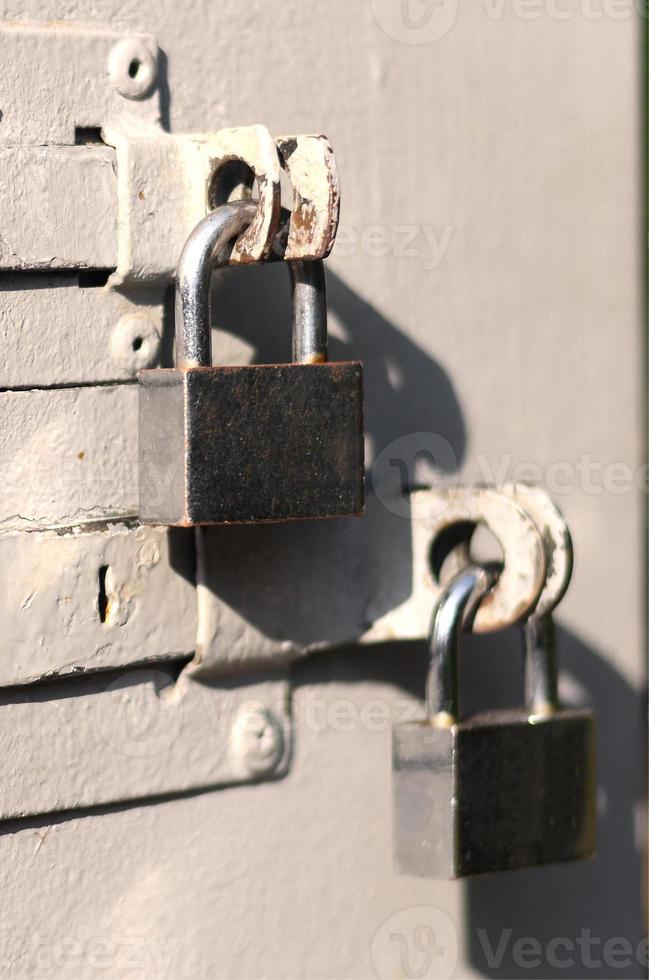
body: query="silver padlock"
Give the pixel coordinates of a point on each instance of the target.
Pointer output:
(500, 790)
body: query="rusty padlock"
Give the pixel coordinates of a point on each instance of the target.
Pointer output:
(496, 791)
(249, 444)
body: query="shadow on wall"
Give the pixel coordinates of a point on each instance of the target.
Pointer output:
(556, 907)
(406, 392)
(561, 908)
(561, 904)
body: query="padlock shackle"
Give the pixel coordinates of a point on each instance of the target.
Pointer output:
(453, 614)
(194, 278)
(309, 289)
(541, 669)
(193, 287)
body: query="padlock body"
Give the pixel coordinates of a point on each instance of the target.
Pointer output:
(263, 443)
(497, 792)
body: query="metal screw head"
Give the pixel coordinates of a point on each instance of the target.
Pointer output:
(256, 740)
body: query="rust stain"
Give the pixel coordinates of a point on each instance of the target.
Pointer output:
(109, 608)
(304, 222)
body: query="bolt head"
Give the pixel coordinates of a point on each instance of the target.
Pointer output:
(256, 741)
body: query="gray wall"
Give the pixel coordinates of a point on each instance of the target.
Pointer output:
(511, 147)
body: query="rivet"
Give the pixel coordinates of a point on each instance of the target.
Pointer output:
(256, 741)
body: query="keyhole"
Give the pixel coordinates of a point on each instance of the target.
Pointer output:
(102, 598)
(134, 68)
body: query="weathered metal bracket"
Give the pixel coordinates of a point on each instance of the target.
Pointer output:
(106, 597)
(279, 596)
(164, 187)
(101, 78)
(138, 735)
(91, 181)
(264, 594)
(143, 733)
(57, 328)
(311, 167)
(165, 183)
(168, 183)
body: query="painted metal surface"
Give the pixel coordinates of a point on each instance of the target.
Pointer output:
(85, 599)
(511, 229)
(46, 227)
(68, 456)
(57, 329)
(260, 590)
(57, 79)
(257, 587)
(138, 735)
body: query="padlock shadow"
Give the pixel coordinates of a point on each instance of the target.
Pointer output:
(309, 582)
(600, 899)
(558, 909)
(406, 391)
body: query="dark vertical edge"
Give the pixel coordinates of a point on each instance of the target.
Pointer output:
(644, 170)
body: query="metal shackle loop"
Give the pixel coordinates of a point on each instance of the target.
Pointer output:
(194, 277)
(193, 286)
(458, 604)
(453, 615)
(309, 288)
(541, 668)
